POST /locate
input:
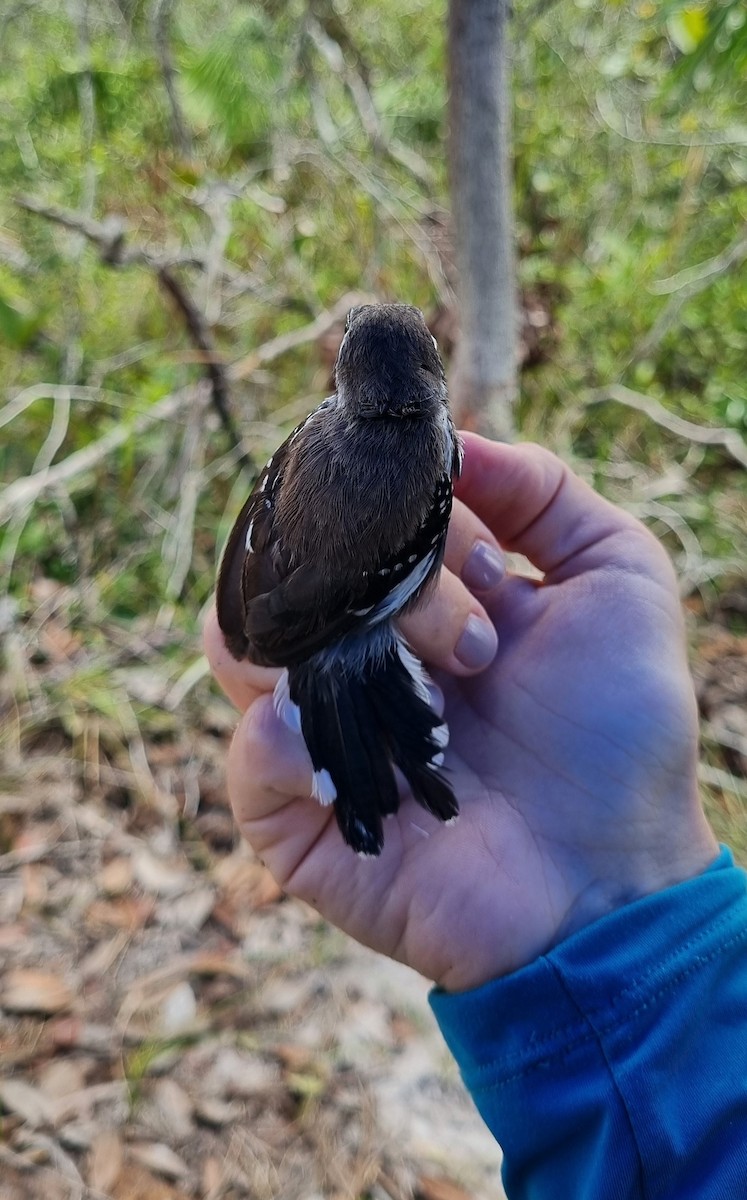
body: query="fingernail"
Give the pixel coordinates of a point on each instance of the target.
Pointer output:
(477, 646)
(484, 568)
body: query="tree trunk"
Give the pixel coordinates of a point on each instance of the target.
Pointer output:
(484, 379)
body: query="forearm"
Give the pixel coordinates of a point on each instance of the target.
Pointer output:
(616, 1065)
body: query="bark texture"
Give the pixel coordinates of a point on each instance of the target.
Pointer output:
(484, 378)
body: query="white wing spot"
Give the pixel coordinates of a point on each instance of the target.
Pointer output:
(250, 529)
(416, 671)
(298, 428)
(384, 571)
(322, 788)
(401, 592)
(440, 735)
(288, 712)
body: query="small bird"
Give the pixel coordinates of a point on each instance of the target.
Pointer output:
(344, 531)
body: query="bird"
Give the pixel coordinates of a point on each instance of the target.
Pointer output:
(343, 532)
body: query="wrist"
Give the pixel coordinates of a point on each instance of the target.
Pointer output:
(586, 890)
(652, 869)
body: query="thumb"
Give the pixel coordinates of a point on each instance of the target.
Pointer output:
(536, 506)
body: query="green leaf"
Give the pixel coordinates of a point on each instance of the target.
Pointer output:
(17, 329)
(688, 28)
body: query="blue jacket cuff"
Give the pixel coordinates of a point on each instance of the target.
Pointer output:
(623, 1049)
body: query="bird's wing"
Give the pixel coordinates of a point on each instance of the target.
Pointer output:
(248, 567)
(278, 612)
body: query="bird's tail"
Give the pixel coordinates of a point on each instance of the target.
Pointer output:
(360, 714)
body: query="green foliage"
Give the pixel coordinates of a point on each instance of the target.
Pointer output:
(233, 83)
(18, 328)
(630, 168)
(712, 39)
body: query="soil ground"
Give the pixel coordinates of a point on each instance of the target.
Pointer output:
(171, 1026)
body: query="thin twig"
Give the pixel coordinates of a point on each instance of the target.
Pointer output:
(109, 235)
(689, 571)
(705, 435)
(524, 20)
(683, 286)
(702, 273)
(331, 51)
(387, 200)
(25, 491)
(58, 428)
(87, 104)
(332, 39)
(297, 337)
(631, 128)
(725, 737)
(182, 686)
(217, 207)
(202, 338)
(44, 391)
(725, 782)
(160, 17)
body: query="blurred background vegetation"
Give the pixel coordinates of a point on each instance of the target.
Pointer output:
(190, 195)
(273, 157)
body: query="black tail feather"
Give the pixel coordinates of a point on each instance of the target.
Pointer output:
(410, 730)
(357, 723)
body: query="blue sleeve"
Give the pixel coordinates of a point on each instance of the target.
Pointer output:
(615, 1066)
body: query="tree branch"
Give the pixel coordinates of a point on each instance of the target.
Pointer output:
(686, 284)
(109, 236)
(694, 279)
(24, 492)
(202, 338)
(630, 127)
(704, 435)
(297, 337)
(331, 39)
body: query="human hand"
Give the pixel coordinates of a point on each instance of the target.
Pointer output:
(573, 755)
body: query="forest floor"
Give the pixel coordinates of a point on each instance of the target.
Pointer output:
(171, 1026)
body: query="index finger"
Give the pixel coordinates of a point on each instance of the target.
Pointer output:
(535, 505)
(242, 681)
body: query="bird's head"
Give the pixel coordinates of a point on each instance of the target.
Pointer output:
(388, 364)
